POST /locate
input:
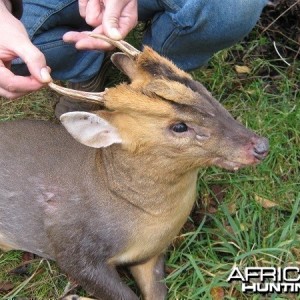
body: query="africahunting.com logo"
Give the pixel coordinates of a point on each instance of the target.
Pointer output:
(267, 279)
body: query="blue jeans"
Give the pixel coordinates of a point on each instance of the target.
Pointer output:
(188, 32)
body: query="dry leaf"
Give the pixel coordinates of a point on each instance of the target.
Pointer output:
(265, 203)
(231, 208)
(212, 210)
(6, 286)
(217, 293)
(296, 251)
(219, 191)
(242, 69)
(229, 229)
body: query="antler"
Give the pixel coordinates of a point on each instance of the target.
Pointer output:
(90, 96)
(122, 45)
(79, 95)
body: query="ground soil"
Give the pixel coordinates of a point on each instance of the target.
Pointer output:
(280, 22)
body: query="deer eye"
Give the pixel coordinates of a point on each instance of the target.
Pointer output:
(179, 127)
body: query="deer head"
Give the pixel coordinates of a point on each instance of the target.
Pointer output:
(162, 111)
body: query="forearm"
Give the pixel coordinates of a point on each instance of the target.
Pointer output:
(13, 6)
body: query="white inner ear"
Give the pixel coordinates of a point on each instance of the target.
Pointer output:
(90, 129)
(125, 64)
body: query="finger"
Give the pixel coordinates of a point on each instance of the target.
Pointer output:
(126, 24)
(111, 17)
(74, 36)
(119, 18)
(94, 12)
(82, 4)
(129, 18)
(9, 95)
(35, 61)
(20, 84)
(13, 86)
(83, 41)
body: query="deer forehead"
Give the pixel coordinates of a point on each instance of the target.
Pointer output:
(125, 99)
(161, 98)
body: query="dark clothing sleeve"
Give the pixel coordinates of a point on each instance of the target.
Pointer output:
(17, 8)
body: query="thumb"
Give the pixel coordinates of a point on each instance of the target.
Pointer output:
(35, 61)
(111, 19)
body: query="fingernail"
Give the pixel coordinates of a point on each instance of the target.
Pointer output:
(115, 34)
(45, 75)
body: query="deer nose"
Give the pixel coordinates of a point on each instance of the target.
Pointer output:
(260, 148)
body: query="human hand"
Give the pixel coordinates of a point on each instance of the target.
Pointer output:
(14, 42)
(113, 18)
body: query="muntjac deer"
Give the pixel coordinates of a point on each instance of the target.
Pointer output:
(116, 187)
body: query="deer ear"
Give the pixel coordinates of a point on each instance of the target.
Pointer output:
(90, 129)
(125, 64)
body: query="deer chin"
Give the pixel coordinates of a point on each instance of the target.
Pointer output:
(232, 165)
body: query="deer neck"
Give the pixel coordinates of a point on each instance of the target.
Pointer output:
(147, 182)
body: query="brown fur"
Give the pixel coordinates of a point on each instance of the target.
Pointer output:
(95, 209)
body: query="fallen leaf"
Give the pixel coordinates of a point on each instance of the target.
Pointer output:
(229, 229)
(217, 293)
(27, 256)
(296, 251)
(219, 191)
(231, 208)
(265, 203)
(242, 69)
(6, 286)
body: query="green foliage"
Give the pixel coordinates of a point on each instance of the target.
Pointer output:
(266, 100)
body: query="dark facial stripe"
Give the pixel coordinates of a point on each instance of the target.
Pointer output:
(158, 69)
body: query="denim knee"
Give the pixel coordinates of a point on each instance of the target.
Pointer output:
(189, 32)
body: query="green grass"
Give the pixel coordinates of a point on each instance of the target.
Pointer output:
(240, 231)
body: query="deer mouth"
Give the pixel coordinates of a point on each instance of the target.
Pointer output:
(227, 164)
(234, 165)
(251, 154)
